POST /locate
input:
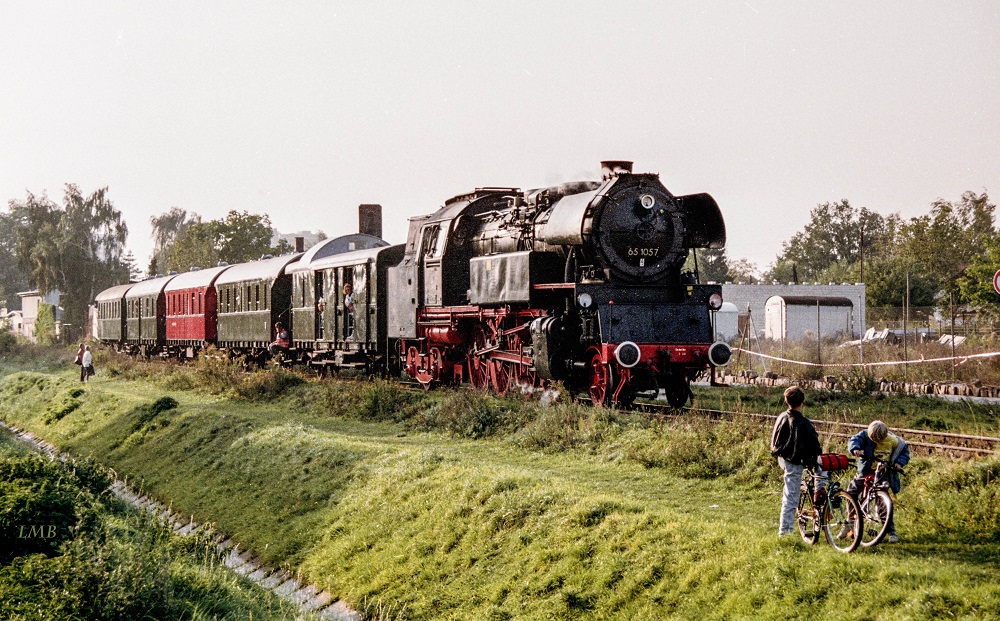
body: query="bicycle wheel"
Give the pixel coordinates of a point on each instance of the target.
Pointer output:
(842, 522)
(806, 516)
(877, 513)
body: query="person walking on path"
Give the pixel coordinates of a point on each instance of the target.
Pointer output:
(79, 362)
(87, 368)
(795, 443)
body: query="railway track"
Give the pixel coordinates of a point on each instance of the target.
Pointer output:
(925, 441)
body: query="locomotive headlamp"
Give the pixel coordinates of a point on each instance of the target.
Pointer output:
(628, 354)
(584, 300)
(715, 301)
(647, 201)
(719, 354)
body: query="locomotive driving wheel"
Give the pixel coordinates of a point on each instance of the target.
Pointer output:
(601, 381)
(500, 376)
(479, 372)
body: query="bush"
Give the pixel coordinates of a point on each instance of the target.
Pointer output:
(8, 343)
(39, 506)
(268, 385)
(472, 414)
(961, 499)
(217, 373)
(562, 426)
(697, 448)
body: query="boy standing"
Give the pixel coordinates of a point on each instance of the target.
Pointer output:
(795, 443)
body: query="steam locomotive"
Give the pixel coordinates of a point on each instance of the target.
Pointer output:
(582, 284)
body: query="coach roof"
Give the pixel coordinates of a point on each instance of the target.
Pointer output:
(148, 287)
(257, 270)
(114, 293)
(195, 279)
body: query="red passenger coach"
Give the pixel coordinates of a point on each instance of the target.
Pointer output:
(192, 310)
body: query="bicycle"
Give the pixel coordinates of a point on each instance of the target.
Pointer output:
(838, 516)
(875, 502)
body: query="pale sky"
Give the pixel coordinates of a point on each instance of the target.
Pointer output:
(303, 110)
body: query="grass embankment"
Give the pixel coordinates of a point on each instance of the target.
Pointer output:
(460, 506)
(72, 551)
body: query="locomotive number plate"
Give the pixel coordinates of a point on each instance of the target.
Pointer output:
(634, 251)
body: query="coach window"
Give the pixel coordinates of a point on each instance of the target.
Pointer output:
(256, 302)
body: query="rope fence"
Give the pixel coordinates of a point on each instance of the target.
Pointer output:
(956, 360)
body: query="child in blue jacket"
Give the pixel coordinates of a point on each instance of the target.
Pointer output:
(864, 445)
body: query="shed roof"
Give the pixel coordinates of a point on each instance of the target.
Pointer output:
(813, 300)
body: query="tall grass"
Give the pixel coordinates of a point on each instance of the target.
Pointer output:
(458, 505)
(87, 556)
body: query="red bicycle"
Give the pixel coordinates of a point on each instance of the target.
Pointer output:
(875, 503)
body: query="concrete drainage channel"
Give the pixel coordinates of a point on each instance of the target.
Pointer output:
(309, 598)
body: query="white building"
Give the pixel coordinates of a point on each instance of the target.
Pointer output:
(792, 318)
(727, 322)
(30, 301)
(751, 300)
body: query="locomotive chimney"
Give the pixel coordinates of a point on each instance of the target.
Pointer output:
(613, 168)
(370, 220)
(300, 244)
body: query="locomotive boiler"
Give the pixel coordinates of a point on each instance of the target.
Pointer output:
(581, 283)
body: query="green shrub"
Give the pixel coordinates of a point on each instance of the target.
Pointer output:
(91, 558)
(146, 414)
(38, 506)
(472, 414)
(8, 343)
(961, 499)
(268, 385)
(25, 382)
(216, 373)
(697, 448)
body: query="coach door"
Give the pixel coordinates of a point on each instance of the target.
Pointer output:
(361, 300)
(318, 296)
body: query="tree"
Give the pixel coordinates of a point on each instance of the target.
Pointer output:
(75, 249)
(947, 241)
(244, 237)
(833, 236)
(744, 271)
(238, 238)
(166, 228)
(45, 324)
(12, 278)
(886, 280)
(713, 265)
(976, 285)
(195, 246)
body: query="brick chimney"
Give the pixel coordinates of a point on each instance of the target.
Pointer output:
(370, 220)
